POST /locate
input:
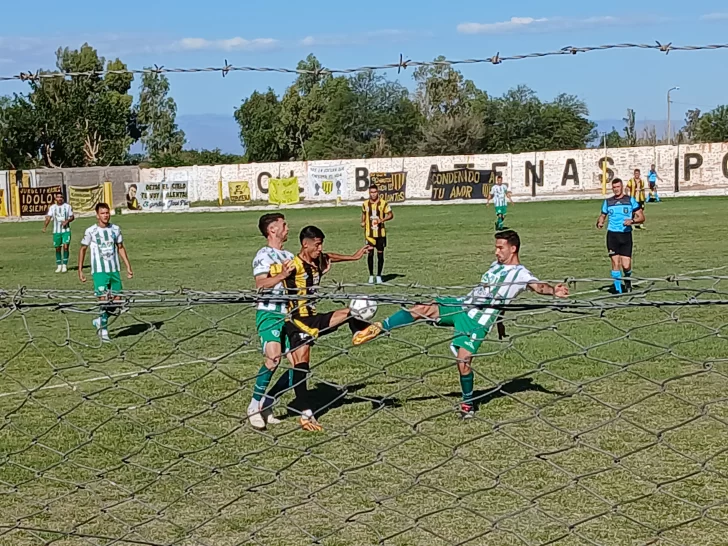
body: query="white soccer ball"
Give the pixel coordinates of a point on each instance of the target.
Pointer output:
(363, 308)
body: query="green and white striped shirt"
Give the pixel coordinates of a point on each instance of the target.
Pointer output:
(499, 285)
(102, 242)
(499, 194)
(262, 262)
(60, 213)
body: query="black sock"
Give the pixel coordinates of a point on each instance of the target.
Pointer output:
(280, 386)
(300, 378)
(370, 263)
(380, 263)
(356, 325)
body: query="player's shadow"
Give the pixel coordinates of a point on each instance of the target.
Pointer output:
(392, 276)
(138, 329)
(324, 397)
(75, 267)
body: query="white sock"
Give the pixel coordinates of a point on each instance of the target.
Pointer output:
(254, 405)
(307, 413)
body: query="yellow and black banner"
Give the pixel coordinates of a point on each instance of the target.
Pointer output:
(239, 192)
(35, 201)
(392, 186)
(85, 198)
(283, 191)
(460, 184)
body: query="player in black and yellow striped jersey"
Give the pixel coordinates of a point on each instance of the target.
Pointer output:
(374, 213)
(303, 324)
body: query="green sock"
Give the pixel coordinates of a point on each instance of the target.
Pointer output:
(104, 319)
(65, 257)
(262, 382)
(400, 318)
(58, 256)
(466, 385)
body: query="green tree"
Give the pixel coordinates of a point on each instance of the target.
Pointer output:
(713, 126)
(18, 148)
(156, 114)
(186, 158)
(261, 134)
(614, 139)
(630, 131)
(692, 120)
(81, 120)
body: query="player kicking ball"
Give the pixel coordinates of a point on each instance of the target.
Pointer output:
(62, 215)
(107, 245)
(301, 278)
(500, 194)
(472, 317)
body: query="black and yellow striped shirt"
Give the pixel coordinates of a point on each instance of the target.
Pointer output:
(373, 211)
(304, 282)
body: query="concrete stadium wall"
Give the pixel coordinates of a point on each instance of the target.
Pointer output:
(566, 174)
(91, 176)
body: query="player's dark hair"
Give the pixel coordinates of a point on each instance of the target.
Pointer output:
(102, 206)
(510, 237)
(373, 187)
(311, 232)
(638, 171)
(267, 219)
(499, 177)
(617, 181)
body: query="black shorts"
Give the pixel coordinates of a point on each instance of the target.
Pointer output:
(305, 330)
(619, 244)
(380, 243)
(653, 185)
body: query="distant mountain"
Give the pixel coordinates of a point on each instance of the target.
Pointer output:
(211, 131)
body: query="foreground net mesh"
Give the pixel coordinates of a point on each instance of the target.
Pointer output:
(602, 419)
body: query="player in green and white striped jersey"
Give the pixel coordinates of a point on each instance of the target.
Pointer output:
(271, 314)
(107, 245)
(473, 316)
(62, 215)
(500, 195)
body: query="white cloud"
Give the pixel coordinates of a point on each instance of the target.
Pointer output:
(228, 44)
(541, 24)
(715, 17)
(361, 38)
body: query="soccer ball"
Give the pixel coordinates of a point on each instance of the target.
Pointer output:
(363, 308)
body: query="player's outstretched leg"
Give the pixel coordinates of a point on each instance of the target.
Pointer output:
(403, 317)
(467, 378)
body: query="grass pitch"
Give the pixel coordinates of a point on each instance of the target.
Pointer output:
(595, 427)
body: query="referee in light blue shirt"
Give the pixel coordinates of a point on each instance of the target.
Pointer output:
(652, 178)
(623, 212)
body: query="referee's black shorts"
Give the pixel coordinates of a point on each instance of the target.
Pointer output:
(619, 244)
(379, 243)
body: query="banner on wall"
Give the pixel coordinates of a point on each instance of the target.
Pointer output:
(326, 183)
(3, 204)
(175, 196)
(392, 186)
(36, 201)
(460, 184)
(85, 199)
(283, 191)
(145, 196)
(239, 192)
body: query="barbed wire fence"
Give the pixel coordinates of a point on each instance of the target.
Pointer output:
(400, 65)
(602, 420)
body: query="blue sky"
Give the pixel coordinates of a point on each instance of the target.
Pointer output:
(342, 34)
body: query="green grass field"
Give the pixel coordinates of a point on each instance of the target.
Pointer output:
(599, 426)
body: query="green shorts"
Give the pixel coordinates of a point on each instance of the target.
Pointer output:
(103, 282)
(469, 334)
(501, 211)
(60, 239)
(271, 328)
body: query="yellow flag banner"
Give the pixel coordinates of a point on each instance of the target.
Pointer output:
(283, 191)
(85, 198)
(239, 192)
(35, 201)
(3, 204)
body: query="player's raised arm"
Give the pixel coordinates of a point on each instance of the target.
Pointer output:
(546, 289)
(334, 258)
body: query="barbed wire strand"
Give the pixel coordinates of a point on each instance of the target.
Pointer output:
(400, 65)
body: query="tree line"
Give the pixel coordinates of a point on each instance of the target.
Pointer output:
(79, 121)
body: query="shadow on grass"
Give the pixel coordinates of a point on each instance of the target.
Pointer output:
(325, 397)
(138, 329)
